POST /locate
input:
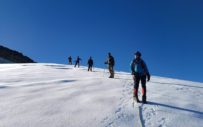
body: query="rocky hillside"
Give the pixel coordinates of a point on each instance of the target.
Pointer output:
(10, 56)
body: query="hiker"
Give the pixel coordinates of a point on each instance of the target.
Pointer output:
(90, 64)
(70, 60)
(77, 62)
(140, 73)
(110, 61)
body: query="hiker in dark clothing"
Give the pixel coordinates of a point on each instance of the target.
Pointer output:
(77, 62)
(70, 60)
(110, 61)
(90, 64)
(140, 73)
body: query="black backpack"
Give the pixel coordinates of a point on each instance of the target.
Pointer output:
(111, 61)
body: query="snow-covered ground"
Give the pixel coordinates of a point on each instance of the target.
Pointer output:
(54, 95)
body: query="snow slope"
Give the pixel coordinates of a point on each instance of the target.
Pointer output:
(54, 95)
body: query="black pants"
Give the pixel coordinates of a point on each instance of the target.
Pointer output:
(90, 68)
(77, 63)
(111, 71)
(137, 79)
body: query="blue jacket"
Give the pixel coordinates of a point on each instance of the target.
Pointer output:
(138, 66)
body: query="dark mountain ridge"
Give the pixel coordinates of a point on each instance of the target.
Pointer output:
(13, 56)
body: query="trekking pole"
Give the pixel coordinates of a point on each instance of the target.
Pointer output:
(105, 68)
(104, 71)
(92, 68)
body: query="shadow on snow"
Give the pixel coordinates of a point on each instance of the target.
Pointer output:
(177, 84)
(178, 108)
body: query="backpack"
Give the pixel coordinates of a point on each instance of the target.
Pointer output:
(90, 62)
(139, 66)
(111, 61)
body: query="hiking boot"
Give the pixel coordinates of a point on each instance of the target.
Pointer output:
(136, 99)
(144, 100)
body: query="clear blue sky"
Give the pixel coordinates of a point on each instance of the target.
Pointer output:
(169, 33)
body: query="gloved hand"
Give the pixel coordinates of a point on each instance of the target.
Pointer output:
(148, 77)
(132, 73)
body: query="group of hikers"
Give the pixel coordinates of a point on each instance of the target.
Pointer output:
(77, 62)
(139, 72)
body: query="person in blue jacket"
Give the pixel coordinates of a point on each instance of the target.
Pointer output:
(140, 73)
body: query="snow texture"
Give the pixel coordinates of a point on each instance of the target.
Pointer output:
(54, 95)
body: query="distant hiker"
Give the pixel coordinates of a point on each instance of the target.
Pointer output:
(90, 64)
(140, 73)
(77, 62)
(110, 61)
(70, 60)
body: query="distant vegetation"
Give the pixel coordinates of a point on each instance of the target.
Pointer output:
(14, 56)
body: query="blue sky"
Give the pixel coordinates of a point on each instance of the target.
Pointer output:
(168, 33)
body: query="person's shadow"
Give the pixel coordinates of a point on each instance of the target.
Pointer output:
(198, 114)
(177, 108)
(177, 84)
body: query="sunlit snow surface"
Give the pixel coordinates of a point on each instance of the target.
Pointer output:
(54, 95)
